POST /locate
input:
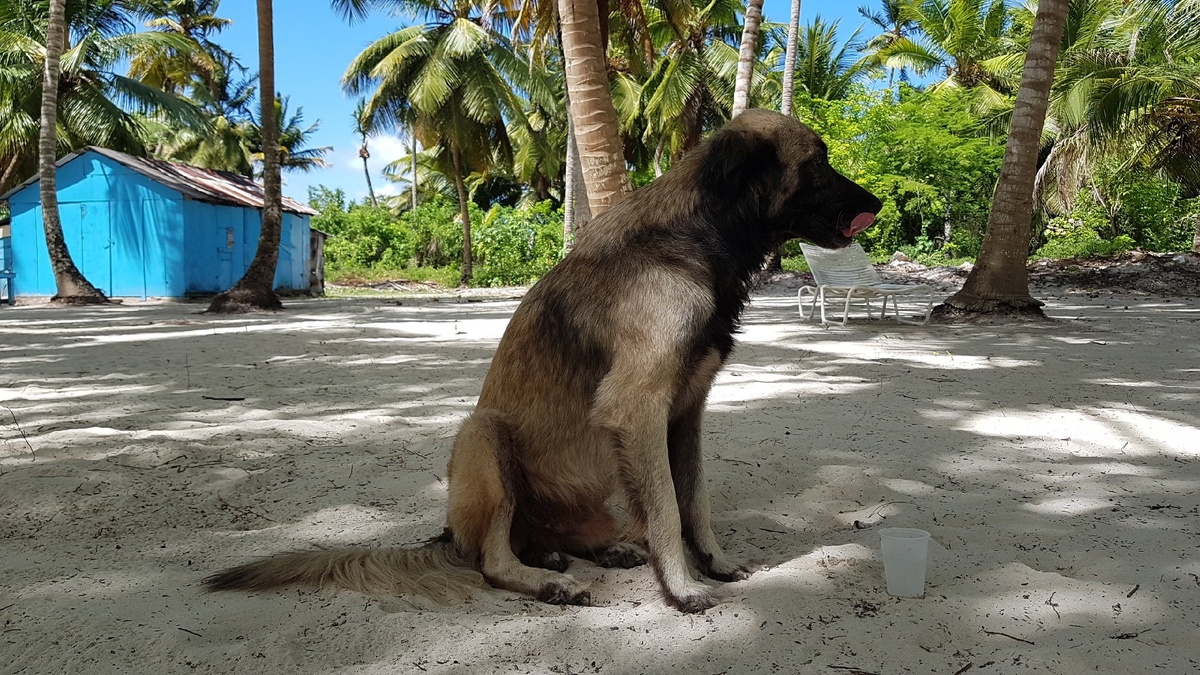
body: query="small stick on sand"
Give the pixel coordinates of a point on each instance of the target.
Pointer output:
(1010, 637)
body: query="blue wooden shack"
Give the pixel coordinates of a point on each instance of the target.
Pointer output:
(142, 228)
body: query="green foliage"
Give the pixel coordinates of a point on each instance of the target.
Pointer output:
(925, 155)
(511, 245)
(1078, 236)
(517, 245)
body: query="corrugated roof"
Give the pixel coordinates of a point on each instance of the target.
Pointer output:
(206, 185)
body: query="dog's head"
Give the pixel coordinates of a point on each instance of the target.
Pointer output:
(776, 171)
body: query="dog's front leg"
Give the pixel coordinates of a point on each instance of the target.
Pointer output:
(634, 410)
(687, 473)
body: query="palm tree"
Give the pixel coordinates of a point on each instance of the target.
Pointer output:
(895, 19)
(746, 57)
(1000, 280)
(178, 71)
(450, 81)
(95, 105)
(965, 40)
(690, 87)
(362, 127)
(70, 283)
(593, 116)
(1128, 91)
(789, 60)
(256, 289)
(824, 69)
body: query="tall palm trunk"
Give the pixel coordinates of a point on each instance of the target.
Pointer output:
(1196, 238)
(464, 207)
(413, 157)
(591, 108)
(70, 285)
(789, 60)
(256, 289)
(746, 54)
(1000, 279)
(365, 154)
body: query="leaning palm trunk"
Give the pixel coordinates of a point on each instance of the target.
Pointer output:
(789, 60)
(256, 289)
(464, 207)
(70, 284)
(745, 71)
(1000, 279)
(590, 106)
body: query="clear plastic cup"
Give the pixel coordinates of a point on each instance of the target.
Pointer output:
(905, 555)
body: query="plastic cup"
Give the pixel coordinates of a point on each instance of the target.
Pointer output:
(905, 554)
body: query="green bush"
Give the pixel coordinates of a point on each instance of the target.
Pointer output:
(516, 245)
(1078, 236)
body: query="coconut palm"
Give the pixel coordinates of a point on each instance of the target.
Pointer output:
(826, 68)
(173, 70)
(1128, 90)
(965, 41)
(451, 81)
(746, 57)
(256, 289)
(593, 115)
(71, 286)
(1000, 280)
(363, 129)
(789, 60)
(95, 105)
(691, 85)
(895, 20)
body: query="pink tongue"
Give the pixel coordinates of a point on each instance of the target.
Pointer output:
(861, 222)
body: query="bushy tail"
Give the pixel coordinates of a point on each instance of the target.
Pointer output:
(434, 571)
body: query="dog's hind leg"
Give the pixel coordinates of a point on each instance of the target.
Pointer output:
(485, 484)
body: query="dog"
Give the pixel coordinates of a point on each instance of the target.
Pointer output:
(598, 387)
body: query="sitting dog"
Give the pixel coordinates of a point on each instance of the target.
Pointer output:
(598, 386)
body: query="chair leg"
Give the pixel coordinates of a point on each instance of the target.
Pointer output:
(846, 309)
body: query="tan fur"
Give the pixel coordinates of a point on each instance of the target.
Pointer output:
(598, 387)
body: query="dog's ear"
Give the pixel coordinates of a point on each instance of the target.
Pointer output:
(737, 161)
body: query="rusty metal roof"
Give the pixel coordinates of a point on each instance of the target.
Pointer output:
(205, 185)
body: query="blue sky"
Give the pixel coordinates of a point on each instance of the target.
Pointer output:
(313, 46)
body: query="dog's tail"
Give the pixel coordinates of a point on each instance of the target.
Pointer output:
(435, 571)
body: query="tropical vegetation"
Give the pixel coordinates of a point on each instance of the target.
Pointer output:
(915, 103)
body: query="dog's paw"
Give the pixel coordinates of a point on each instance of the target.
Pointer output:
(692, 601)
(558, 593)
(622, 554)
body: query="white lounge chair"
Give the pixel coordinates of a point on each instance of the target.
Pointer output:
(847, 274)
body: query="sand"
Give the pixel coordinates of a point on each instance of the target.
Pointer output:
(142, 447)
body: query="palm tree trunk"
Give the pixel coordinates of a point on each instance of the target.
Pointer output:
(70, 285)
(1000, 279)
(464, 211)
(365, 154)
(789, 60)
(10, 172)
(746, 54)
(591, 107)
(256, 289)
(413, 157)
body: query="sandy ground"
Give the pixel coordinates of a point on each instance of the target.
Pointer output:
(1058, 469)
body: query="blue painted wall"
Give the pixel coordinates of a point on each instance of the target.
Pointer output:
(132, 237)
